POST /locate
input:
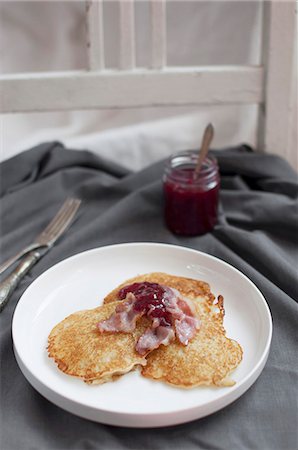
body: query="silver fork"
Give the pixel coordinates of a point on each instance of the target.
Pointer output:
(50, 234)
(35, 251)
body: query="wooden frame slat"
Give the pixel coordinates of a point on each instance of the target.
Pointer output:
(215, 85)
(279, 33)
(95, 34)
(158, 34)
(127, 35)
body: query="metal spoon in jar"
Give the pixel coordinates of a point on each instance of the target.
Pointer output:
(206, 141)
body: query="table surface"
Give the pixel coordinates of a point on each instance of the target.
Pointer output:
(256, 233)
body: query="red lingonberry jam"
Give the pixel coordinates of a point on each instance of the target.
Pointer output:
(150, 299)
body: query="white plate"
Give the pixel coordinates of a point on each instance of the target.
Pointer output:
(82, 281)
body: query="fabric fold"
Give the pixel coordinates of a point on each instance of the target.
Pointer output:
(257, 232)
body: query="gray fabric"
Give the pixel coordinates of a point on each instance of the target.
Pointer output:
(257, 233)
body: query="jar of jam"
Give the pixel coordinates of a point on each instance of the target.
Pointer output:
(190, 201)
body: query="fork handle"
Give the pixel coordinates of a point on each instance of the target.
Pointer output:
(9, 262)
(8, 285)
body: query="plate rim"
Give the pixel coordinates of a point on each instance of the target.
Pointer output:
(241, 386)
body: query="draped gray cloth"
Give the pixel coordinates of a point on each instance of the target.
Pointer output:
(257, 233)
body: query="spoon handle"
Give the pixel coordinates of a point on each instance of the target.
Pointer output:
(206, 141)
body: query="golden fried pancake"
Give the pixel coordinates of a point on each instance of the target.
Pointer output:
(79, 349)
(207, 360)
(209, 357)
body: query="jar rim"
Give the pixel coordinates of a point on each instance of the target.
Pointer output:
(189, 158)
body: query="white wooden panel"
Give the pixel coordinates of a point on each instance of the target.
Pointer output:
(127, 35)
(158, 34)
(95, 34)
(279, 35)
(119, 89)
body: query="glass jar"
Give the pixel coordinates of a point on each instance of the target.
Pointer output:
(190, 202)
